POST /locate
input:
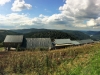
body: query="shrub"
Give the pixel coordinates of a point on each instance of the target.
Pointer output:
(1, 44)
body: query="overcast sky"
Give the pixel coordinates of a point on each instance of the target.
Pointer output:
(50, 14)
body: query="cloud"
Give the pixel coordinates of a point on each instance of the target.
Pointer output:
(20, 5)
(74, 14)
(15, 19)
(91, 22)
(2, 2)
(94, 22)
(82, 10)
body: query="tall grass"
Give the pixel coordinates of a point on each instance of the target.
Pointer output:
(68, 61)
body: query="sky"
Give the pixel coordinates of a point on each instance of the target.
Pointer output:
(50, 14)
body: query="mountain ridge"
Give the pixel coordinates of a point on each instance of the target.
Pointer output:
(72, 34)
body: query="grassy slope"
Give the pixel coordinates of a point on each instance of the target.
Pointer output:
(1, 48)
(81, 60)
(92, 67)
(85, 63)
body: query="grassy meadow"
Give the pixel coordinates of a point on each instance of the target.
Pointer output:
(1, 48)
(79, 60)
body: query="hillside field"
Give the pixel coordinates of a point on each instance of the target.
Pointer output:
(1, 48)
(79, 60)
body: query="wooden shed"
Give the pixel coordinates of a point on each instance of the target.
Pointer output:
(13, 41)
(33, 43)
(62, 43)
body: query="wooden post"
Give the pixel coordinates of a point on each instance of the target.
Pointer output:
(8, 48)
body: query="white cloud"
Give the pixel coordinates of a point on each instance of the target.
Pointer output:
(15, 19)
(91, 22)
(20, 5)
(95, 23)
(74, 14)
(42, 16)
(82, 10)
(2, 2)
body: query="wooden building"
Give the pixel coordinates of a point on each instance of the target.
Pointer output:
(18, 41)
(13, 41)
(62, 43)
(32, 43)
(75, 43)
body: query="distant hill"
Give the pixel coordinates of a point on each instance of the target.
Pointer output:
(96, 36)
(93, 34)
(47, 33)
(78, 34)
(24, 31)
(97, 33)
(74, 35)
(90, 33)
(3, 34)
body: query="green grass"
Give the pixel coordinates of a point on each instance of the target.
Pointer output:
(1, 48)
(87, 64)
(80, 60)
(91, 68)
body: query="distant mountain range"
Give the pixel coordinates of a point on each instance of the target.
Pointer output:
(76, 34)
(55, 34)
(93, 34)
(24, 31)
(47, 33)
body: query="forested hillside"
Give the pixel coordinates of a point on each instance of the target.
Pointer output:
(24, 31)
(3, 34)
(45, 33)
(90, 32)
(58, 34)
(93, 34)
(50, 34)
(78, 34)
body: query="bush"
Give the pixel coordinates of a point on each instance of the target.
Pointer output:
(1, 44)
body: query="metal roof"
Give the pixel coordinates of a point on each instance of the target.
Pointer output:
(63, 45)
(38, 42)
(85, 41)
(63, 41)
(89, 41)
(75, 42)
(14, 38)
